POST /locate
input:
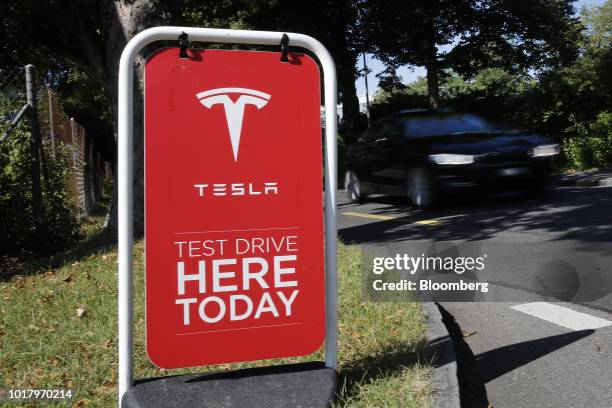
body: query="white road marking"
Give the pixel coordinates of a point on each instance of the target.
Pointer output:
(562, 316)
(428, 223)
(372, 216)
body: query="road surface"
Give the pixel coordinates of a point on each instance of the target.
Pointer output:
(543, 338)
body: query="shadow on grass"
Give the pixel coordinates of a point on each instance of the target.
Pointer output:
(390, 361)
(95, 239)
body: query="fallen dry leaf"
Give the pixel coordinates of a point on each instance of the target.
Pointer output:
(46, 298)
(80, 403)
(81, 312)
(466, 333)
(68, 278)
(20, 283)
(108, 343)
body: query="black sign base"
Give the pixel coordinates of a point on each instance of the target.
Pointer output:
(295, 385)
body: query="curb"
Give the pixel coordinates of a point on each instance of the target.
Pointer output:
(605, 182)
(586, 179)
(444, 360)
(593, 182)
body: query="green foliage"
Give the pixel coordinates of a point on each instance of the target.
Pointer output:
(83, 97)
(571, 103)
(575, 102)
(469, 36)
(576, 151)
(492, 92)
(393, 96)
(477, 35)
(19, 232)
(591, 143)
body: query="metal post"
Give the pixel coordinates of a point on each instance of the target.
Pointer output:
(365, 71)
(365, 77)
(34, 145)
(126, 175)
(51, 122)
(75, 167)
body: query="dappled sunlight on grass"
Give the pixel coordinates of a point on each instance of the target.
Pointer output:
(58, 328)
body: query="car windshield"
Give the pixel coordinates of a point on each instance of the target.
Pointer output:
(435, 125)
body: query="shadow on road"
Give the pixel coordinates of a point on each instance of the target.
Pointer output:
(580, 214)
(497, 362)
(476, 371)
(471, 381)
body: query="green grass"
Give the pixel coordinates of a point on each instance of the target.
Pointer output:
(45, 344)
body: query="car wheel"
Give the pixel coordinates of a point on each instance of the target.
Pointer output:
(420, 188)
(353, 187)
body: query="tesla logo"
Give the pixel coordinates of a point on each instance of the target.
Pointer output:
(234, 111)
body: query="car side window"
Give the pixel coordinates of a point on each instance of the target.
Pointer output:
(444, 124)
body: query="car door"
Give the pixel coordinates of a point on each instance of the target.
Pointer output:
(385, 147)
(364, 157)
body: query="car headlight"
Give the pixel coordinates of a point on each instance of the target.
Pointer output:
(448, 158)
(546, 150)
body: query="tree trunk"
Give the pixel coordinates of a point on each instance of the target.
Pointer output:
(125, 20)
(431, 64)
(351, 119)
(433, 91)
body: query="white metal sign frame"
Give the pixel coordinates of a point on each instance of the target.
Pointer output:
(125, 174)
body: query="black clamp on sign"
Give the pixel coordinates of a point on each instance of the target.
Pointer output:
(183, 38)
(284, 48)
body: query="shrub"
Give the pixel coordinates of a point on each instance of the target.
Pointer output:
(577, 152)
(58, 226)
(590, 144)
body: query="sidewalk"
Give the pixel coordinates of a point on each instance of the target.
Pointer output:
(589, 178)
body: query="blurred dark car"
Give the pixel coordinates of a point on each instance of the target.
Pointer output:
(424, 155)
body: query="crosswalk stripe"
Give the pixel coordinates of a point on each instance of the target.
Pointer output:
(562, 316)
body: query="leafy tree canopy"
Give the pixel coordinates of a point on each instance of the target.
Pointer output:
(472, 35)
